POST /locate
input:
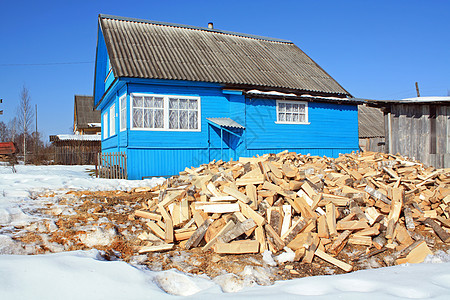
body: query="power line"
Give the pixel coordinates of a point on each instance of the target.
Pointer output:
(48, 64)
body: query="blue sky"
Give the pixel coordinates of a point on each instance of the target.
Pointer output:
(374, 49)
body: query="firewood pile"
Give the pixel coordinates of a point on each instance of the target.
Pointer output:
(305, 205)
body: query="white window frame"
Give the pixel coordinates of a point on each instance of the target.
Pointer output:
(166, 112)
(105, 127)
(123, 112)
(305, 103)
(112, 120)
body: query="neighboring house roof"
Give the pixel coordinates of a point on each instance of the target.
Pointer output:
(370, 122)
(148, 49)
(84, 113)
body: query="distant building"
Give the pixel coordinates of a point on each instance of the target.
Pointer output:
(82, 147)
(86, 120)
(371, 129)
(173, 96)
(418, 127)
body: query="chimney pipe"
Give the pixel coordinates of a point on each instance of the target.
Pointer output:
(210, 25)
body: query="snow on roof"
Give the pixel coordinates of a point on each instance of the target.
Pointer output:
(79, 137)
(426, 99)
(272, 93)
(305, 96)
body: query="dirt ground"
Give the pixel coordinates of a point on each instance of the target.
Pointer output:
(78, 214)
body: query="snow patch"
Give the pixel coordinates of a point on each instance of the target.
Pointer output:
(230, 283)
(286, 256)
(268, 259)
(98, 237)
(176, 284)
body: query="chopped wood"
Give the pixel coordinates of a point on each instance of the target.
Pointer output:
(344, 266)
(254, 180)
(223, 199)
(372, 231)
(168, 229)
(248, 212)
(310, 251)
(417, 254)
(377, 194)
(237, 230)
(331, 218)
(147, 215)
(181, 236)
(351, 225)
(237, 247)
(158, 248)
(357, 202)
(287, 215)
(339, 243)
(396, 205)
(260, 237)
(360, 240)
(214, 207)
(198, 235)
(440, 232)
(373, 215)
(322, 228)
(275, 219)
(274, 237)
(296, 228)
(235, 193)
(224, 229)
(156, 229)
(250, 190)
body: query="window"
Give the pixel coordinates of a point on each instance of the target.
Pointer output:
(183, 113)
(158, 112)
(123, 112)
(112, 120)
(292, 112)
(105, 125)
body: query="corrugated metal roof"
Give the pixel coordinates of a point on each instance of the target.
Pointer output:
(370, 121)
(226, 122)
(148, 49)
(84, 111)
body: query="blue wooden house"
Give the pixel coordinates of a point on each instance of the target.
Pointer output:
(174, 96)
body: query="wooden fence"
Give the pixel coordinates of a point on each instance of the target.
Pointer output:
(112, 165)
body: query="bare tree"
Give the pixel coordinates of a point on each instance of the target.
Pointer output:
(12, 128)
(4, 132)
(25, 117)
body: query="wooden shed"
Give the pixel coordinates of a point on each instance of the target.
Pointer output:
(371, 129)
(71, 149)
(418, 127)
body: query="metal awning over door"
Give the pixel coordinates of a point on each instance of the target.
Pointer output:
(224, 124)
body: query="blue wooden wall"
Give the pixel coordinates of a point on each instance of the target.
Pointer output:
(333, 129)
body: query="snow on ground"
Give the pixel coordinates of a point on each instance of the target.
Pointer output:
(86, 275)
(18, 190)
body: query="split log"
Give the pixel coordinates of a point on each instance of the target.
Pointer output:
(198, 235)
(344, 266)
(237, 247)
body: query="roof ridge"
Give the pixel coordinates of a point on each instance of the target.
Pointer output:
(252, 36)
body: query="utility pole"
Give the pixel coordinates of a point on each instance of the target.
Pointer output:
(417, 89)
(1, 111)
